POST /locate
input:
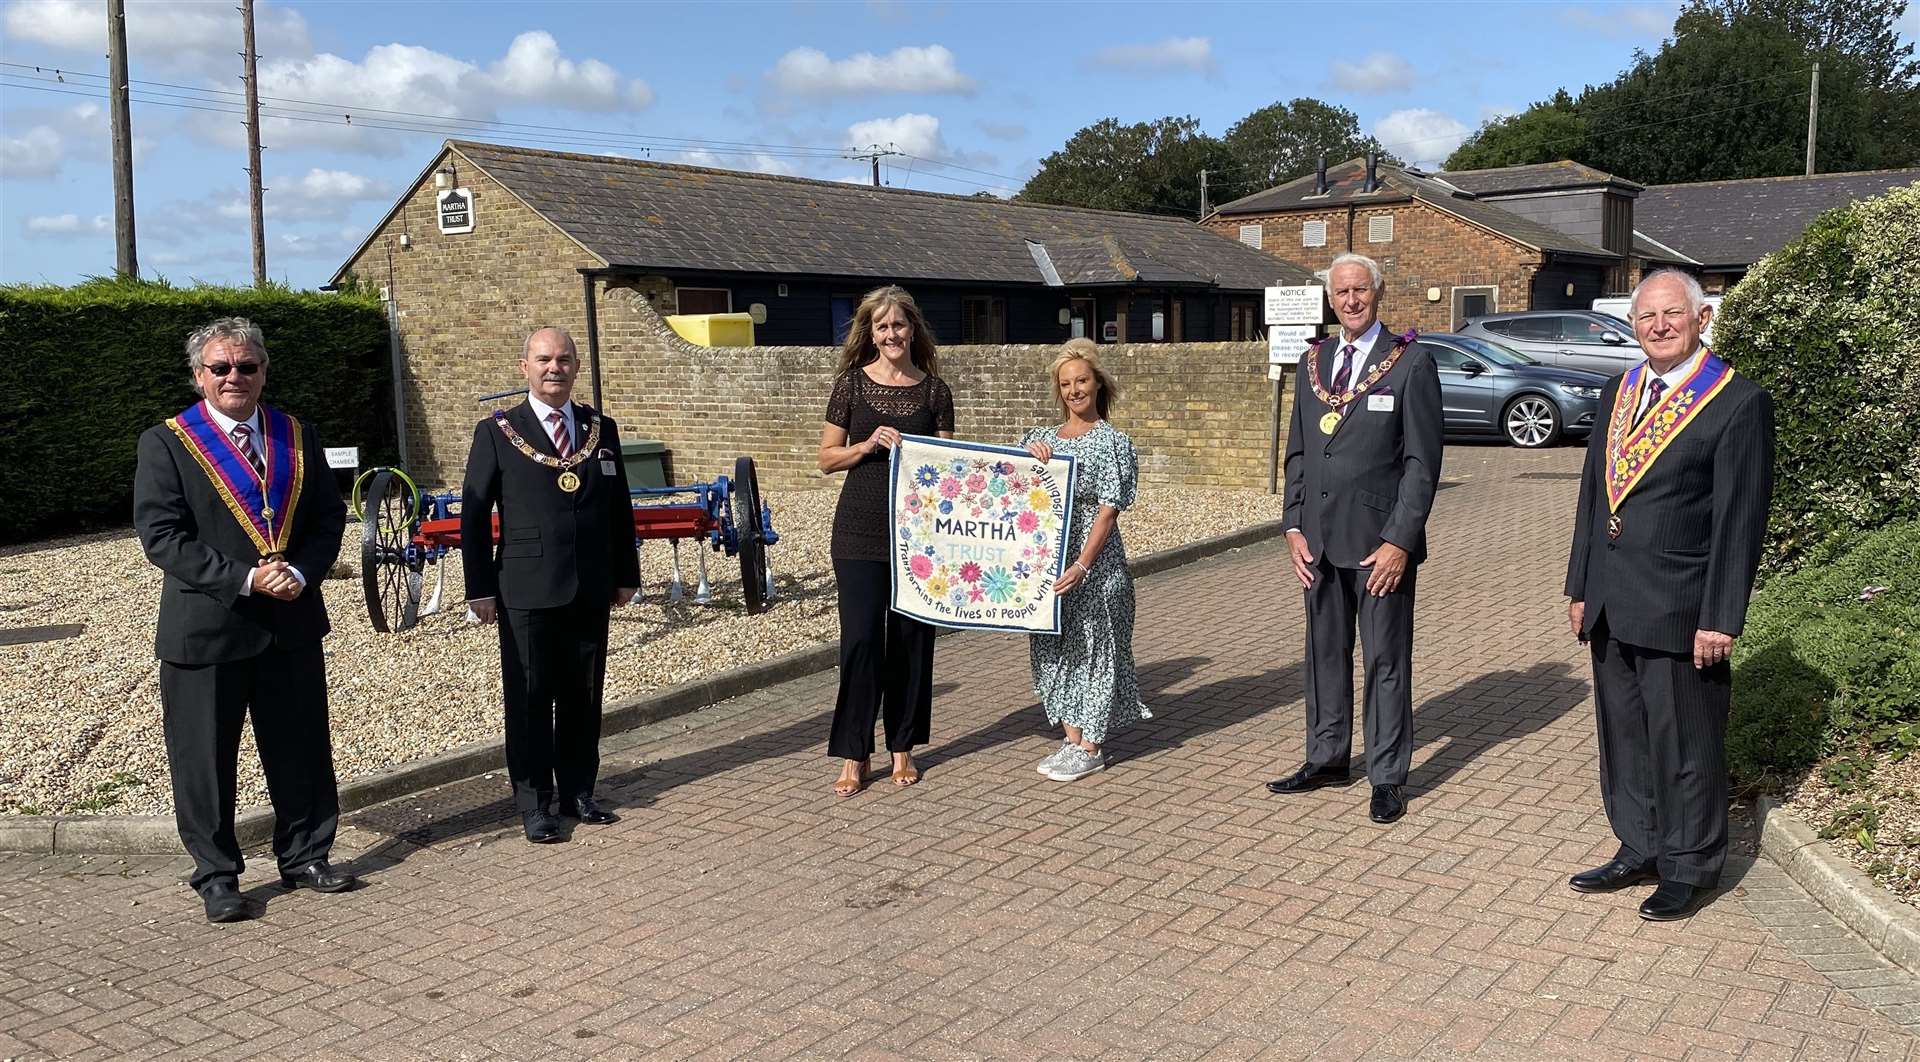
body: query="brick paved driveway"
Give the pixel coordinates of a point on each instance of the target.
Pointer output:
(1169, 908)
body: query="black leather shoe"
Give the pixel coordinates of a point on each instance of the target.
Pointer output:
(589, 811)
(1387, 804)
(225, 904)
(1672, 901)
(1615, 875)
(320, 878)
(1309, 778)
(542, 828)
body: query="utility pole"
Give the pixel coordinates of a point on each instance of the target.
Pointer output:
(1813, 117)
(119, 106)
(1203, 195)
(254, 205)
(875, 153)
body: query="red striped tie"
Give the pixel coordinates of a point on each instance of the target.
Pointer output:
(243, 440)
(562, 442)
(1343, 373)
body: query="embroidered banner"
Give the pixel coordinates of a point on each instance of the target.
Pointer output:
(978, 533)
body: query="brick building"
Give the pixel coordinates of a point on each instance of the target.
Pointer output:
(1557, 235)
(536, 238)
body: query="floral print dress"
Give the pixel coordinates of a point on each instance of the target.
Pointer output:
(1084, 675)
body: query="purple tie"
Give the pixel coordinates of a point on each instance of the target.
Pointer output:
(243, 440)
(1654, 390)
(562, 442)
(1343, 373)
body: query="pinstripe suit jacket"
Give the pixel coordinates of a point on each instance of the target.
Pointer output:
(1691, 530)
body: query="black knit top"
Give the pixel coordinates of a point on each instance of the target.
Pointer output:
(859, 405)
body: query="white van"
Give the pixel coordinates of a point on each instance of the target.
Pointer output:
(1616, 306)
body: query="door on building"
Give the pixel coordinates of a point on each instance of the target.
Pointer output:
(1472, 302)
(1083, 318)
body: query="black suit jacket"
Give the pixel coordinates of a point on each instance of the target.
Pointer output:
(1691, 531)
(1374, 479)
(189, 534)
(554, 546)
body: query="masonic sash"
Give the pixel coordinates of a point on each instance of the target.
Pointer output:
(262, 504)
(1632, 449)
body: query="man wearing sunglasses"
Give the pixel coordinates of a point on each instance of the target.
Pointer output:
(233, 500)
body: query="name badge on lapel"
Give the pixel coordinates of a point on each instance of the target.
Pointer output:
(606, 462)
(1379, 403)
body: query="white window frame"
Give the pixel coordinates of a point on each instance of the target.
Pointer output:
(1491, 291)
(1311, 236)
(1375, 226)
(1253, 236)
(728, 292)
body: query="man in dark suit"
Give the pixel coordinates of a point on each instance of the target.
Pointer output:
(1363, 463)
(1671, 520)
(565, 554)
(233, 500)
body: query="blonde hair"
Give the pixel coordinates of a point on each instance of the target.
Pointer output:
(859, 348)
(1081, 348)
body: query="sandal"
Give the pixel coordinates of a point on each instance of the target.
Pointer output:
(845, 786)
(906, 776)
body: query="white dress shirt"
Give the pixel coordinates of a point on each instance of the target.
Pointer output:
(1360, 347)
(227, 424)
(1672, 378)
(541, 411)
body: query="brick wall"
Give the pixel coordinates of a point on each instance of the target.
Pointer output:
(1199, 412)
(1429, 249)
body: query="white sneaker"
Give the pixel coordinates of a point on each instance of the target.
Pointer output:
(1053, 761)
(1077, 763)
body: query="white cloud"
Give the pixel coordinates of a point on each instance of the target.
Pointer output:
(915, 134)
(178, 34)
(333, 184)
(756, 162)
(35, 153)
(1651, 22)
(1377, 73)
(1172, 54)
(1421, 136)
(67, 225)
(809, 72)
(533, 69)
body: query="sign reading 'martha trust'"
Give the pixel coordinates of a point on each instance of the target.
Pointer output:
(455, 210)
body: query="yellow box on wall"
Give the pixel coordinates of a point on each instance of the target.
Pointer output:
(713, 329)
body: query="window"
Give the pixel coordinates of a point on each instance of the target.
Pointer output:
(1445, 358)
(1474, 301)
(1587, 330)
(703, 300)
(1380, 228)
(1313, 234)
(1543, 329)
(1250, 235)
(983, 319)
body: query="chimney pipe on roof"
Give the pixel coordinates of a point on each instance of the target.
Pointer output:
(1320, 176)
(1373, 178)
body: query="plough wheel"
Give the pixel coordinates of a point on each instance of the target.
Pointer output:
(748, 531)
(386, 528)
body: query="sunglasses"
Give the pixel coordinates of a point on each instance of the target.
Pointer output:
(222, 368)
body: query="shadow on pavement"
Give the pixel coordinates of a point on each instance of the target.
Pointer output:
(1487, 710)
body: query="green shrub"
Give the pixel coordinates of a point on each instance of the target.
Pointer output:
(1830, 326)
(88, 368)
(1826, 667)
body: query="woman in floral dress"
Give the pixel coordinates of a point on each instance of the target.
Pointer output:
(1084, 675)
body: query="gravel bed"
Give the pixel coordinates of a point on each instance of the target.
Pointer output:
(1889, 802)
(80, 718)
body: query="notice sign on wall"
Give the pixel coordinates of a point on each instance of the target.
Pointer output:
(1298, 304)
(1285, 343)
(456, 210)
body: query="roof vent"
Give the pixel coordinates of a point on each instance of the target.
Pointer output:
(1373, 177)
(1320, 176)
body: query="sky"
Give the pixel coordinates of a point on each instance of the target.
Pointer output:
(973, 95)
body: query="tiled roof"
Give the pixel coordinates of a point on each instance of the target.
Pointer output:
(651, 215)
(1343, 187)
(1540, 177)
(1736, 223)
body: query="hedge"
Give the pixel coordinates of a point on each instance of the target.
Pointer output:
(1830, 326)
(88, 368)
(1829, 662)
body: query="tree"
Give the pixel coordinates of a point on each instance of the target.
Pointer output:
(1148, 167)
(1545, 132)
(1281, 141)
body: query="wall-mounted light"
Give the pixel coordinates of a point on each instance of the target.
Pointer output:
(1066, 315)
(406, 241)
(443, 177)
(1433, 294)
(1569, 289)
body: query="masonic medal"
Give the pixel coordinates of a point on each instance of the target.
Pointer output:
(569, 481)
(1329, 422)
(1614, 525)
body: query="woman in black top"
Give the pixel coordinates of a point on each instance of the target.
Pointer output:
(886, 387)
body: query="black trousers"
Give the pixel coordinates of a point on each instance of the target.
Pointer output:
(1336, 600)
(1663, 757)
(204, 707)
(886, 666)
(553, 663)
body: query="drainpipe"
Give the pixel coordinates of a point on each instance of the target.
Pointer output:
(1350, 213)
(587, 276)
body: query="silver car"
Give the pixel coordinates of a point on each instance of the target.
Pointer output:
(1564, 339)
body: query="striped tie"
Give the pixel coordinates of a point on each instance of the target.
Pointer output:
(1343, 373)
(243, 440)
(1654, 390)
(562, 442)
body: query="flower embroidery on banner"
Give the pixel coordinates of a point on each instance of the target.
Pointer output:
(921, 566)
